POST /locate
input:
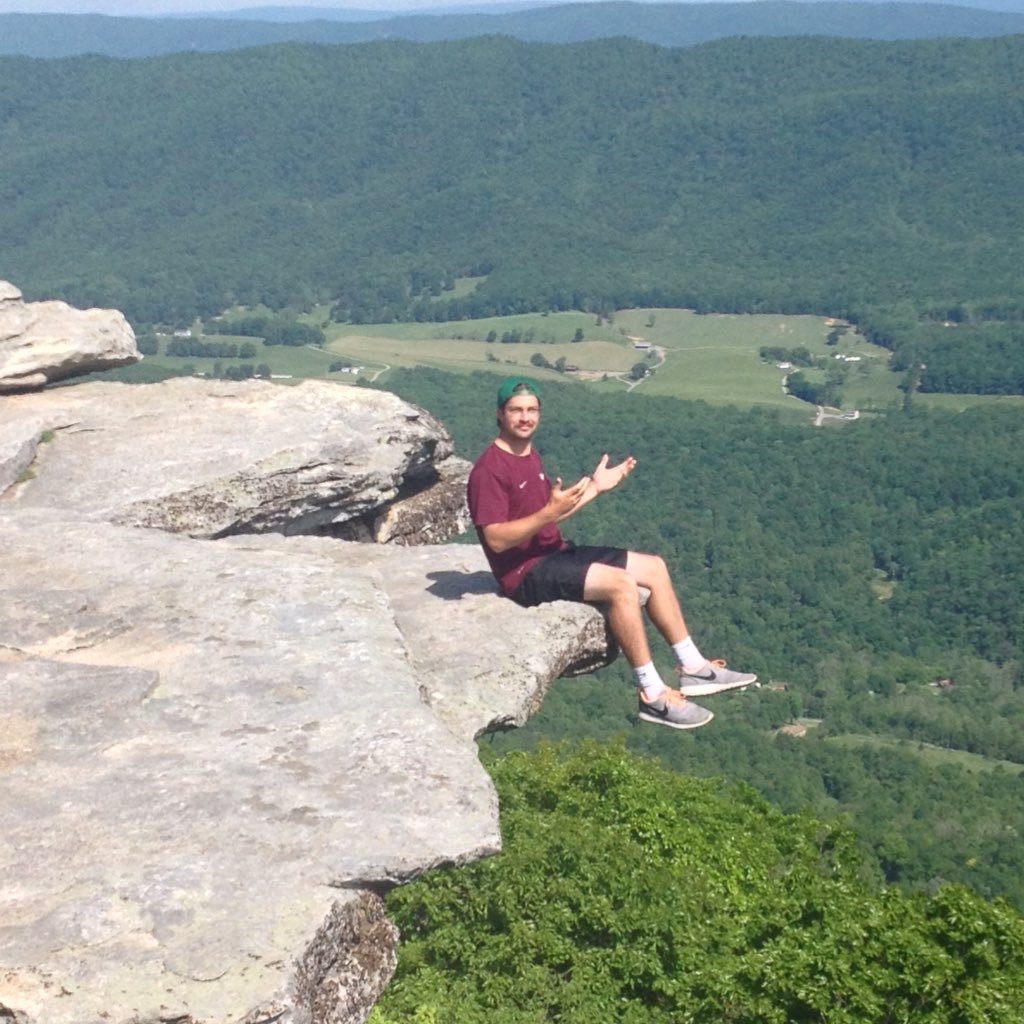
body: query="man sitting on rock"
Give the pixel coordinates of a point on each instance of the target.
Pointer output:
(516, 511)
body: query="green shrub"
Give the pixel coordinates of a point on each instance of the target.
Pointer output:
(628, 893)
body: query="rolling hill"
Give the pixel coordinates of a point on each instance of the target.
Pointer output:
(746, 175)
(666, 24)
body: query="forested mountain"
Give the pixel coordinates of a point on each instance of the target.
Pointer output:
(828, 176)
(668, 24)
(854, 570)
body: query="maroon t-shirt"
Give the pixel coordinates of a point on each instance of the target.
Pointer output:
(503, 487)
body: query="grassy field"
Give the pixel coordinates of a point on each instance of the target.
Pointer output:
(714, 357)
(286, 363)
(461, 346)
(957, 403)
(931, 754)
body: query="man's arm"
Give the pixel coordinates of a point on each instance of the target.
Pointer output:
(560, 505)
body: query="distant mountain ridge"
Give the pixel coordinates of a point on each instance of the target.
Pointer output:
(322, 13)
(664, 24)
(308, 13)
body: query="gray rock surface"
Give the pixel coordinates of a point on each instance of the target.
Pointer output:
(43, 342)
(214, 753)
(213, 458)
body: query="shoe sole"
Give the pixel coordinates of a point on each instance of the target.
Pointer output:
(674, 725)
(707, 689)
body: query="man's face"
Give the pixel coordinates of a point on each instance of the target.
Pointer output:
(518, 417)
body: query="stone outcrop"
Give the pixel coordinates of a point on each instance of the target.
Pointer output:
(44, 342)
(225, 729)
(214, 458)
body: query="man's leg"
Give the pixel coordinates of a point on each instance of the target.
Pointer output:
(697, 676)
(663, 607)
(617, 589)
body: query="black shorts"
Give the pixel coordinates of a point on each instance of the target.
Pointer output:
(560, 576)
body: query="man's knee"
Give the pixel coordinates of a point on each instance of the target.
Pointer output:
(609, 583)
(647, 569)
(626, 582)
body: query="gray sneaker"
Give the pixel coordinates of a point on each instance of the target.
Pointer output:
(674, 710)
(713, 677)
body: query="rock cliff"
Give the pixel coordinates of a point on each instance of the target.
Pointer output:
(226, 724)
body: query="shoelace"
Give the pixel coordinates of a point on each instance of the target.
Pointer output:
(668, 695)
(715, 662)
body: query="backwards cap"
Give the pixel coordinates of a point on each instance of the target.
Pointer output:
(516, 386)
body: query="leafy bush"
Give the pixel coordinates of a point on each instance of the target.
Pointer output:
(628, 893)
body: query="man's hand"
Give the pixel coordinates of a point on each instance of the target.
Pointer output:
(564, 501)
(606, 477)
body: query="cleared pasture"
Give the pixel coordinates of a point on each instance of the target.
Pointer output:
(284, 360)
(957, 403)
(715, 358)
(936, 756)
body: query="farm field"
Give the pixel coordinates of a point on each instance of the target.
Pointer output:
(286, 364)
(933, 755)
(957, 403)
(714, 358)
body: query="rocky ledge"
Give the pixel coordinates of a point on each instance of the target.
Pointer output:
(43, 342)
(226, 724)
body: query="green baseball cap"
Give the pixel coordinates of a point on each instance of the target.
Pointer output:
(516, 386)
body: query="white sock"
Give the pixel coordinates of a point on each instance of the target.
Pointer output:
(688, 655)
(648, 679)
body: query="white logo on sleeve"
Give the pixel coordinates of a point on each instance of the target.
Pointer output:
(522, 485)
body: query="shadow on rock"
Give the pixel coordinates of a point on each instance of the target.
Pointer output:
(453, 586)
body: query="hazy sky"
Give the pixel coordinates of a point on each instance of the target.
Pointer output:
(146, 7)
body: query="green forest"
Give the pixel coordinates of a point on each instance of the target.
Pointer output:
(627, 893)
(874, 181)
